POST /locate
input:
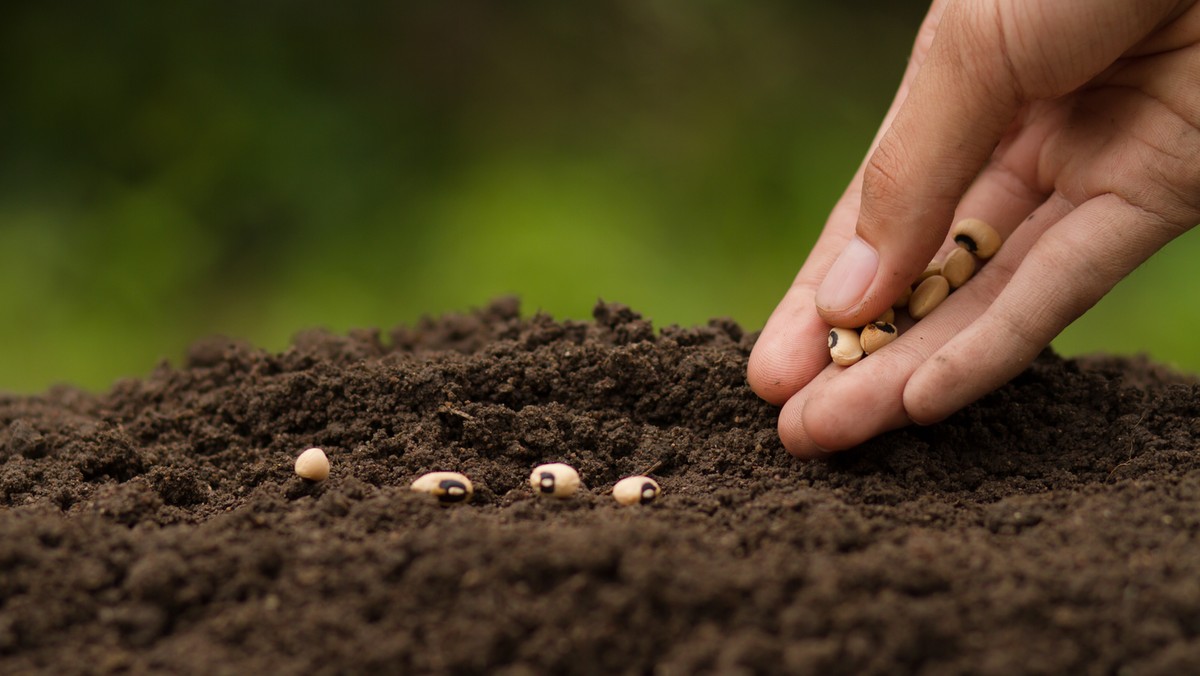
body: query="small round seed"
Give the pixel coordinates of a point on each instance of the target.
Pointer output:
(877, 334)
(889, 316)
(902, 301)
(958, 267)
(977, 237)
(934, 268)
(555, 480)
(447, 487)
(927, 296)
(313, 465)
(844, 346)
(635, 490)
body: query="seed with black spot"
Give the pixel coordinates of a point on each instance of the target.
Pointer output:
(555, 480)
(977, 237)
(877, 334)
(844, 346)
(448, 487)
(635, 490)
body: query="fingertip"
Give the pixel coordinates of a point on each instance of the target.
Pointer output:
(792, 432)
(789, 353)
(767, 375)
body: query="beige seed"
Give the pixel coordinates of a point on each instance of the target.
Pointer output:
(927, 296)
(977, 237)
(313, 465)
(447, 487)
(889, 316)
(877, 334)
(902, 301)
(555, 480)
(958, 267)
(934, 268)
(634, 490)
(844, 346)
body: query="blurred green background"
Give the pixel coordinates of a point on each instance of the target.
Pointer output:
(173, 170)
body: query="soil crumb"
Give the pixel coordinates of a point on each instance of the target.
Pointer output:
(1053, 527)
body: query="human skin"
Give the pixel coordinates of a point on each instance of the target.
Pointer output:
(1072, 126)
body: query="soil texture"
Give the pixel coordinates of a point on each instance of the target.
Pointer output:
(1053, 527)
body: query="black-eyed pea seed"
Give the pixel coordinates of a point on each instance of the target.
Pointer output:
(977, 237)
(636, 490)
(313, 465)
(902, 301)
(934, 268)
(448, 487)
(958, 267)
(927, 296)
(555, 480)
(889, 316)
(877, 334)
(844, 346)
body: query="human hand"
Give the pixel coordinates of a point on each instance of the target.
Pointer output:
(1072, 126)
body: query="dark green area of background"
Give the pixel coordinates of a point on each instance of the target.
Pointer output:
(172, 170)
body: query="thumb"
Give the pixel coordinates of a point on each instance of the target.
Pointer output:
(986, 61)
(959, 106)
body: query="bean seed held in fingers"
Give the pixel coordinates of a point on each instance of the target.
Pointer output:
(889, 316)
(636, 490)
(977, 237)
(934, 268)
(902, 301)
(313, 465)
(448, 487)
(927, 296)
(844, 346)
(958, 267)
(555, 480)
(877, 334)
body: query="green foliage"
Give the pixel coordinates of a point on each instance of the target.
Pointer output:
(171, 170)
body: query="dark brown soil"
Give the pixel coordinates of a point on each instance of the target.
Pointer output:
(1054, 527)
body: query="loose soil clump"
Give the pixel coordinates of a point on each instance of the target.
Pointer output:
(1053, 527)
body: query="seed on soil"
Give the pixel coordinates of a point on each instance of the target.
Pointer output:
(844, 346)
(313, 465)
(927, 296)
(902, 301)
(889, 316)
(555, 480)
(447, 487)
(958, 267)
(635, 490)
(977, 237)
(875, 335)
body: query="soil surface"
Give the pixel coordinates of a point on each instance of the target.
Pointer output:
(1054, 527)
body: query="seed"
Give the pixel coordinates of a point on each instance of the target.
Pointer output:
(447, 487)
(877, 334)
(958, 267)
(889, 316)
(934, 268)
(635, 490)
(977, 237)
(927, 296)
(313, 465)
(902, 301)
(844, 346)
(555, 480)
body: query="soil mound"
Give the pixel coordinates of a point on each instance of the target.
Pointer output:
(1051, 528)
